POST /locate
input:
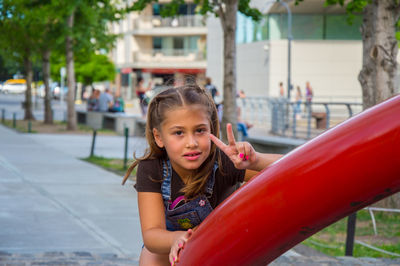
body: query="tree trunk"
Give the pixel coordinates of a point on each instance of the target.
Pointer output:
(28, 93)
(228, 21)
(71, 124)
(378, 76)
(48, 114)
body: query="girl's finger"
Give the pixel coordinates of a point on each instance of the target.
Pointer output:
(247, 151)
(171, 258)
(229, 133)
(241, 151)
(189, 234)
(222, 146)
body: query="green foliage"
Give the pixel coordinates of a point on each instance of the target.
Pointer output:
(91, 21)
(57, 61)
(95, 68)
(89, 68)
(29, 27)
(111, 164)
(8, 67)
(16, 29)
(245, 9)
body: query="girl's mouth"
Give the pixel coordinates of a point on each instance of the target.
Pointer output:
(191, 156)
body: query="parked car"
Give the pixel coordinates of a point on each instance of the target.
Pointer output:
(54, 90)
(14, 86)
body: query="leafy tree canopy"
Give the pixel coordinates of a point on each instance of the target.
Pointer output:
(97, 68)
(89, 68)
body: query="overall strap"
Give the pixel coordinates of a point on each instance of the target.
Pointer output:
(211, 181)
(166, 184)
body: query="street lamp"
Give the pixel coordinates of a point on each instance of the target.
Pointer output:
(289, 37)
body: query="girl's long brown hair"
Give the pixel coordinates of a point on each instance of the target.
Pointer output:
(169, 99)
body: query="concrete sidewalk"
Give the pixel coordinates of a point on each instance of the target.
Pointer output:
(51, 201)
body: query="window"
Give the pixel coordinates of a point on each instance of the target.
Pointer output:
(157, 42)
(185, 9)
(338, 28)
(304, 27)
(156, 9)
(178, 42)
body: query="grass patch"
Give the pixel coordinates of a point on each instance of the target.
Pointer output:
(111, 164)
(331, 240)
(20, 125)
(86, 128)
(56, 128)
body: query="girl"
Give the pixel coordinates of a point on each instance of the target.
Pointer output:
(186, 171)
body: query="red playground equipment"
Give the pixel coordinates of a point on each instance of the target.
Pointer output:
(337, 173)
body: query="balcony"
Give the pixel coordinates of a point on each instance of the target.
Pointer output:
(181, 58)
(157, 25)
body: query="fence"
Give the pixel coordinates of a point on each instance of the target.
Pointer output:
(295, 119)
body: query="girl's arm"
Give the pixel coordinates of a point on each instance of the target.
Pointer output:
(156, 237)
(243, 155)
(264, 159)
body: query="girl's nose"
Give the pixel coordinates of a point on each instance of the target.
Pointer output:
(191, 142)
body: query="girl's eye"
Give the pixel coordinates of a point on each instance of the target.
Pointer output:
(178, 133)
(201, 130)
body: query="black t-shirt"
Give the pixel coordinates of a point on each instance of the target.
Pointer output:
(150, 174)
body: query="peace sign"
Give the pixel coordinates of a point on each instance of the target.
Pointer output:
(242, 154)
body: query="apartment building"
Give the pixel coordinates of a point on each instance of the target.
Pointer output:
(325, 50)
(159, 48)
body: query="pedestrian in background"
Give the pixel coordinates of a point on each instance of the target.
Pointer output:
(281, 90)
(309, 95)
(106, 101)
(141, 94)
(119, 104)
(93, 101)
(212, 89)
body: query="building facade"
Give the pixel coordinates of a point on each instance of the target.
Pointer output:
(325, 50)
(159, 49)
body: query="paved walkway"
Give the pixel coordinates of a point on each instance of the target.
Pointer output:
(51, 201)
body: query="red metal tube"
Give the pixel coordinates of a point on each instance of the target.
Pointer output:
(343, 170)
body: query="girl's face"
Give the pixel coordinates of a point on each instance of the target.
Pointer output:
(185, 136)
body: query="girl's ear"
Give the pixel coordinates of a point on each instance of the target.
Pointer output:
(157, 138)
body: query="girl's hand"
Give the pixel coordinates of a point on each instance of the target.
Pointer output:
(242, 154)
(179, 244)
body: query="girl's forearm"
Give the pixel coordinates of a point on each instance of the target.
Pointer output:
(263, 160)
(159, 240)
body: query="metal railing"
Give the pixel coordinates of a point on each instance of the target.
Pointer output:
(149, 22)
(295, 119)
(169, 55)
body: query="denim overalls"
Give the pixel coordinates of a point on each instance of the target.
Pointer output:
(191, 213)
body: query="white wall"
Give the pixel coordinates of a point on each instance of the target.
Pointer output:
(331, 67)
(253, 69)
(215, 52)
